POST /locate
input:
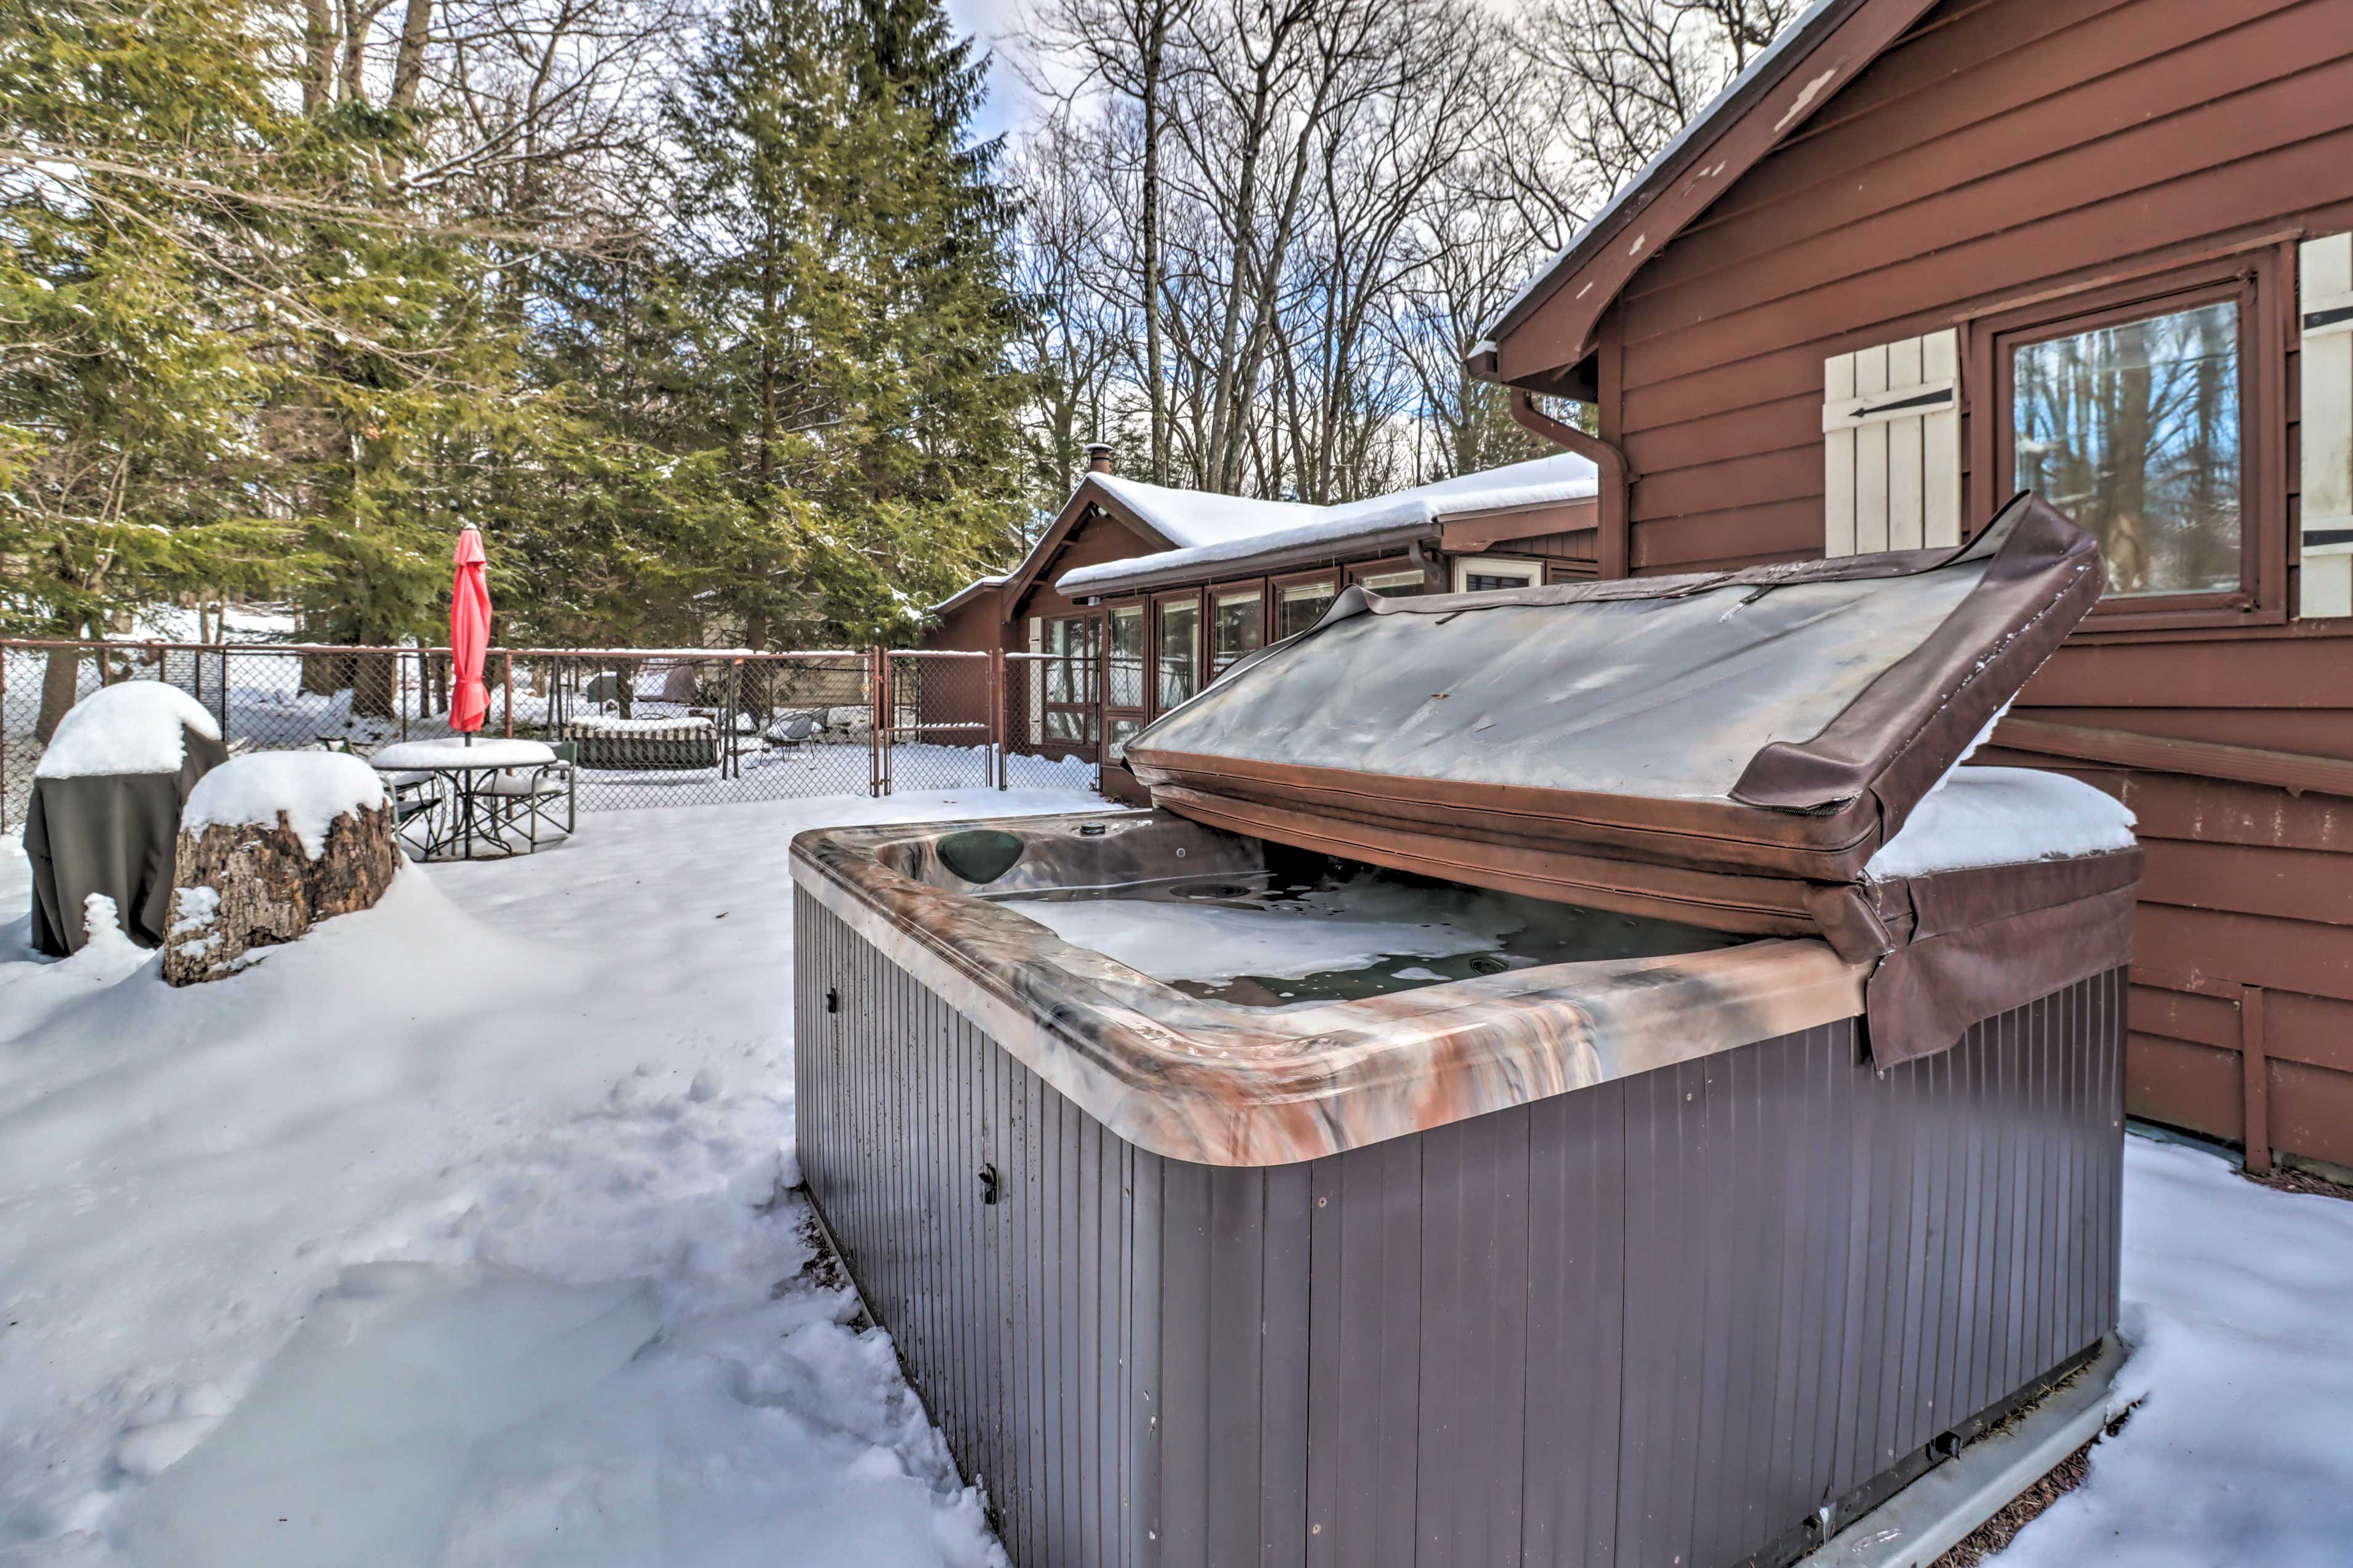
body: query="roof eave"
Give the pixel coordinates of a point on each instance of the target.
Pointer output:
(1291, 558)
(1543, 339)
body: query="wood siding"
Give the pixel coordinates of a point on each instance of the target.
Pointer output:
(2002, 150)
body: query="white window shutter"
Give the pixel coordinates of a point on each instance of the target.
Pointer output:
(2325, 307)
(1892, 446)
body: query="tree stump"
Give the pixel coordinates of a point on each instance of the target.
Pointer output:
(241, 886)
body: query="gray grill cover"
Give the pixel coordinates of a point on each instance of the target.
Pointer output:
(116, 834)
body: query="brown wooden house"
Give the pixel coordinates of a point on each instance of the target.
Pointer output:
(1138, 593)
(1923, 255)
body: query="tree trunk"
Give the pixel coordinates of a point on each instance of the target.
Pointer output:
(373, 682)
(241, 886)
(324, 674)
(319, 56)
(61, 686)
(1153, 55)
(408, 65)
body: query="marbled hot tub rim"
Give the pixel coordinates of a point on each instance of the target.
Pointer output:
(1196, 1080)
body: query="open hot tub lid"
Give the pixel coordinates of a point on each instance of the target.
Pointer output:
(1728, 749)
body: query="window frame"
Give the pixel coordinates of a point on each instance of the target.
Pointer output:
(1530, 573)
(1388, 566)
(2253, 281)
(1113, 709)
(1218, 594)
(1160, 602)
(1327, 579)
(1094, 626)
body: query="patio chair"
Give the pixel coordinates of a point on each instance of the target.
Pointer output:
(414, 796)
(793, 729)
(528, 798)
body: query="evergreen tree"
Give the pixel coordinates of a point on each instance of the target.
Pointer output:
(848, 248)
(126, 394)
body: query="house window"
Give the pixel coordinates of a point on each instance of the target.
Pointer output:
(1300, 605)
(1237, 626)
(1477, 576)
(1392, 585)
(1073, 647)
(1127, 657)
(2135, 428)
(2150, 412)
(1179, 652)
(1122, 731)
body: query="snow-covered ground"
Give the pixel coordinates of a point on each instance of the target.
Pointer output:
(456, 1234)
(459, 1233)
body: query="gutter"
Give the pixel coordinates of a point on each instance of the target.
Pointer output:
(1611, 554)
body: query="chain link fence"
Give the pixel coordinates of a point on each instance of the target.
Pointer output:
(644, 727)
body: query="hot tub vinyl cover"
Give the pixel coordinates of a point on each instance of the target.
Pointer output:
(1728, 749)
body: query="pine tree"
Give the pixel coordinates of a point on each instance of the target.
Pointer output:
(849, 249)
(129, 466)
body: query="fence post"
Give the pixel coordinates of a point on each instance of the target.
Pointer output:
(220, 694)
(877, 670)
(2255, 1067)
(508, 657)
(997, 710)
(730, 765)
(3, 740)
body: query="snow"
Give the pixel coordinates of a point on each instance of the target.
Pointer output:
(978, 585)
(313, 788)
(1316, 933)
(453, 752)
(1999, 816)
(458, 1233)
(133, 727)
(1215, 529)
(611, 724)
(2243, 1361)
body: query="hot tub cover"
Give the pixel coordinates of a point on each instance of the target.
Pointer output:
(1728, 749)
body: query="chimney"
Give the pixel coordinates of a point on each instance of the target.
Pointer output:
(1099, 456)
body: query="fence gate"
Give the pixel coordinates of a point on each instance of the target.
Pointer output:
(937, 721)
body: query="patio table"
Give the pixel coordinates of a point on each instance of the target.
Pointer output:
(473, 809)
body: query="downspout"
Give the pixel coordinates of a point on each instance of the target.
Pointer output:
(1615, 478)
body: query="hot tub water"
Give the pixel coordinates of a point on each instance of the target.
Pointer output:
(1256, 941)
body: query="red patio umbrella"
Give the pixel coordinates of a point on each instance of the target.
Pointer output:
(469, 636)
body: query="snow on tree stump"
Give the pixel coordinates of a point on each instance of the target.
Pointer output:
(269, 846)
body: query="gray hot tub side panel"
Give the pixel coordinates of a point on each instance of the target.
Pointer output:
(1663, 1318)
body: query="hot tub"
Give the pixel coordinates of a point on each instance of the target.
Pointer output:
(1232, 1199)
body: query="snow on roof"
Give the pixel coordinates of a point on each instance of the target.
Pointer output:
(976, 585)
(1772, 60)
(130, 727)
(313, 788)
(1193, 519)
(1217, 528)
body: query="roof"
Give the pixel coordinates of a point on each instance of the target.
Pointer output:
(1213, 530)
(1777, 91)
(970, 590)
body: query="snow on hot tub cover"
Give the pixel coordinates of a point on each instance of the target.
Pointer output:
(1728, 749)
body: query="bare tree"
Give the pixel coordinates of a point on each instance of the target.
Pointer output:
(1080, 323)
(1625, 74)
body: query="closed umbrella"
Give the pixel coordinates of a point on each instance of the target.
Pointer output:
(469, 636)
